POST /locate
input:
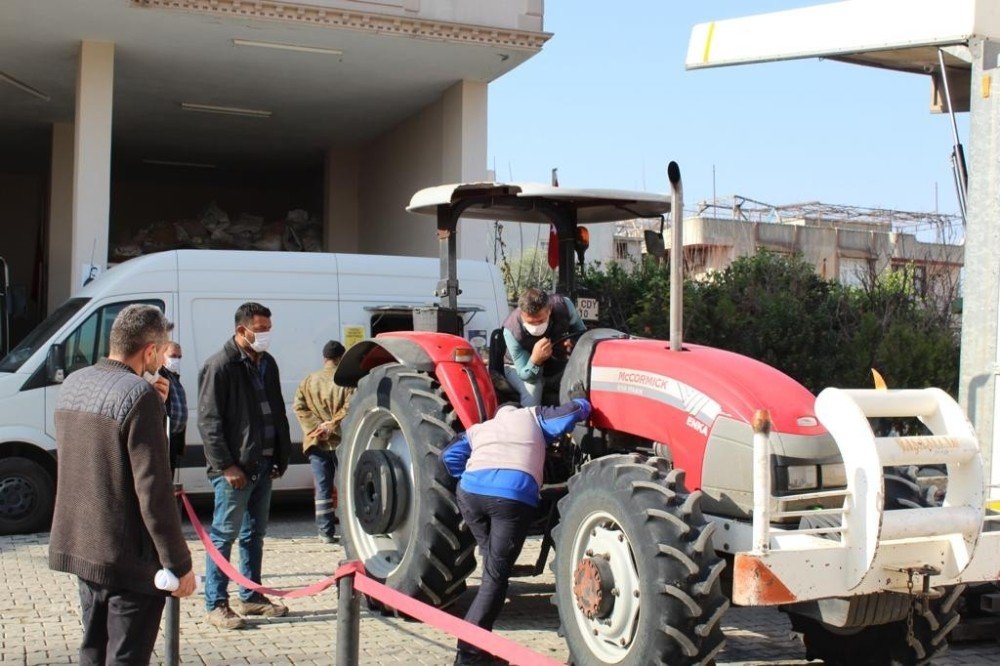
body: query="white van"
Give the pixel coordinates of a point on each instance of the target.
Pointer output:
(313, 298)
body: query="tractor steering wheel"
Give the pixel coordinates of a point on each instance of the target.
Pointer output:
(572, 335)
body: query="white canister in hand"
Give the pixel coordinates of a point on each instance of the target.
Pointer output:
(165, 580)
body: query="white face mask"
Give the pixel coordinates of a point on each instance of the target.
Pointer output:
(261, 341)
(535, 329)
(173, 364)
(146, 374)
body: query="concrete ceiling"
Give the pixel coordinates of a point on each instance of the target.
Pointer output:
(164, 57)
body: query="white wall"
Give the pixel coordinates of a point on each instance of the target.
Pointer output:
(368, 188)
(512, 14)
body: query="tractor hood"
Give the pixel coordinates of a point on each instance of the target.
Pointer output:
(707, 382)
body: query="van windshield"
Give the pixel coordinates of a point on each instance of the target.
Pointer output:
(41, 334)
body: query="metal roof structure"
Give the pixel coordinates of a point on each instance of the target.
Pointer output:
(520, 202)
(895, 34)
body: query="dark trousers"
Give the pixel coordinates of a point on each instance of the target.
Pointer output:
(499, 526)
(119, 626)
(176, 448)
(324, 469)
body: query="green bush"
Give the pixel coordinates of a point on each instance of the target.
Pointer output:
(775, 308)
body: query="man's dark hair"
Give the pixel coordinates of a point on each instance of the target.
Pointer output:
(246, 312)
(532, 301)
(333, 350)
(135, 327)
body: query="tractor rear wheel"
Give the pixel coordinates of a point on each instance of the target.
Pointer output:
(397, 510)
(637, 579)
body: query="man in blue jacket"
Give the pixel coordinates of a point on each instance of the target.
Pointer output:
(499, 463)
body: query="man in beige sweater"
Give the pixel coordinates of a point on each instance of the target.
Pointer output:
(320, 405)
(116, 522)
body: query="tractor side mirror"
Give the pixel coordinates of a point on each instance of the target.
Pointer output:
(654, 243)
(55, 369)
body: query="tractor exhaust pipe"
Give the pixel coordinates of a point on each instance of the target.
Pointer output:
(676, 257)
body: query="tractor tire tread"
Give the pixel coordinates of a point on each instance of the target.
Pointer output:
(439, 564)
(683, 587)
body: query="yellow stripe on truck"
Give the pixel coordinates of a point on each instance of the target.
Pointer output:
(708, 42)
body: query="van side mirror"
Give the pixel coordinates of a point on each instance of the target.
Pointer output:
(55, 369)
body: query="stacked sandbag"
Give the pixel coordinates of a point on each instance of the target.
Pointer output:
(213, 229)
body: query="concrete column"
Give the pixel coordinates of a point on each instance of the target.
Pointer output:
(340, 200)
(92, 159)
(463, 156)
(463, 134)
(445, 142)
(979, 365)
(60, 232)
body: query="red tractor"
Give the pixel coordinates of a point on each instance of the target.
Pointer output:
(702, 478)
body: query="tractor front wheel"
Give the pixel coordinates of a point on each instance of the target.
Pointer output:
(397, 512)
(898, 643)
(637, 579)
(892, 644)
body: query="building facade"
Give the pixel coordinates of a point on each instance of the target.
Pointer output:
(130, 126)
(849, 244)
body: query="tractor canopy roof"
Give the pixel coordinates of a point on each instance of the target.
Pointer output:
(533, 202)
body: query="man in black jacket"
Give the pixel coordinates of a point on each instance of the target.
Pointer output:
(241, 418)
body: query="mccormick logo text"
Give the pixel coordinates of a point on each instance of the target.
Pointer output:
(701, 410)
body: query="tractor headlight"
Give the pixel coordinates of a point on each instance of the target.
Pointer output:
(833, 476)
(797, 475)
(801, 477)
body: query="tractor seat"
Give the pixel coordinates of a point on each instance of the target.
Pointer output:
(498, 351)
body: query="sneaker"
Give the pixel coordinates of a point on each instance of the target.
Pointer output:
(223, 617)
(463, 658)
(329, 538)
(262, 606)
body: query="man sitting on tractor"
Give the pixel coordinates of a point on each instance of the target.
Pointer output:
(538, 335)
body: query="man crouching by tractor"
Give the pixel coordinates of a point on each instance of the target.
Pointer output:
(499, 463)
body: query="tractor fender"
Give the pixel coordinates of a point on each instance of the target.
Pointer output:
(578, 368)
(466, 384)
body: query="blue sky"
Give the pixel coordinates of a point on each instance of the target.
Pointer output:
(609, 103)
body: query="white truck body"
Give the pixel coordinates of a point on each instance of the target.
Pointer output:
(313, 298)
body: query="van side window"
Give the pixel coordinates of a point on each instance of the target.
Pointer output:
(91, 339)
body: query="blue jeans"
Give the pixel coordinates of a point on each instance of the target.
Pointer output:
(324, 469)
(530, 392)
(245, 512)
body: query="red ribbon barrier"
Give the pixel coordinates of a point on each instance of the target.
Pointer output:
(235, 575)
(457, 627)
(484, 640)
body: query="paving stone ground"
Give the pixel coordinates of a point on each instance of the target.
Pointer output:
(40, 621)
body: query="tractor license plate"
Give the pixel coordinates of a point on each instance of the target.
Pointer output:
(587, 307)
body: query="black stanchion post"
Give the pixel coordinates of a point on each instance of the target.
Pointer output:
(348, 622)
(172, 621)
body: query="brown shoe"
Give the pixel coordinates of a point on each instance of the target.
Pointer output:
(260, 606)
(223, 617)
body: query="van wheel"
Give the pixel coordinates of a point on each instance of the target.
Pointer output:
(637, 579)
(397, 508)
(27, 494)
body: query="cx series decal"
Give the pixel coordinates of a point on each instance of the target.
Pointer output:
(701, 409)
